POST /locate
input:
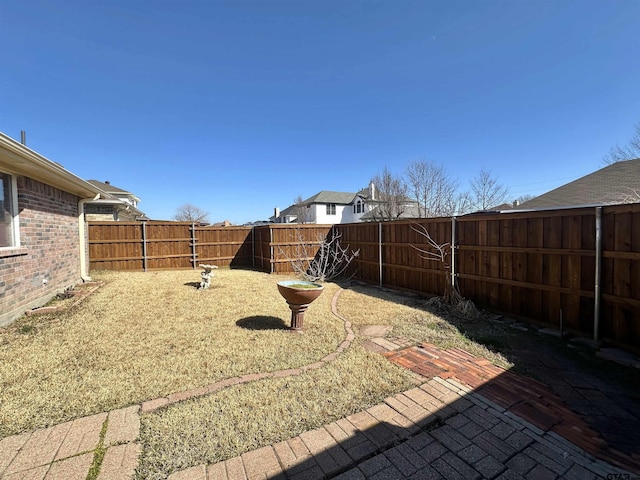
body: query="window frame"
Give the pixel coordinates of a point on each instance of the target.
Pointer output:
(14, 224)
(331, 209)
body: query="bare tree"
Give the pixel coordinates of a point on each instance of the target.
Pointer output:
(486, 192)
(191, 213)
(629, 152)
(433, 250)
(432, 187)
(461, 203)
(391, 196)
(300, 209)
(330, 261)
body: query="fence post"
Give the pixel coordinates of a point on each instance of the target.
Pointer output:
(598, 276)
(271, 257)
(193, 244)
(380, 250)
(253, 247)
(144, 246)
(453, 252)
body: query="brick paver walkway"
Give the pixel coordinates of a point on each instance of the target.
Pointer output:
(66, 451)
(523, 397)
(440, 430)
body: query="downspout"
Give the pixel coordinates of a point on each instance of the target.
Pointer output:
(83, 241)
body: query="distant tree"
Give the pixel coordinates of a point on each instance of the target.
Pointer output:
(191, 213)
(461, 203)
(629, 152)
(300, 209)
(434, 190)
(486, 192)
(390, 196)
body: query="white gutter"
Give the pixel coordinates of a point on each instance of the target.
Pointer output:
(84, 275)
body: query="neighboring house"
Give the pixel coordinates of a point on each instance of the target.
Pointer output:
(120, 205)
(43, 246)
(328, 207)
(613, 184)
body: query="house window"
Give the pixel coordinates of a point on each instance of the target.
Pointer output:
(99, 209)
(331, 208)
(8, 219)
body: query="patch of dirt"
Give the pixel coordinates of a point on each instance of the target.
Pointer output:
(375, 330)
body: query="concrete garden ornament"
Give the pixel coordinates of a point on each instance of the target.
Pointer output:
(299, 294)
(206, 276)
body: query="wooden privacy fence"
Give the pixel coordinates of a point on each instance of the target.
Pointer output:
(575, 269)
(153, 245)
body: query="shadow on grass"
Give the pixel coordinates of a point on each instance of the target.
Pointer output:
(262, 322)
(197, 285)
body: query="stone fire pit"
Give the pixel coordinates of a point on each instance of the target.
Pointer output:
(299, 294)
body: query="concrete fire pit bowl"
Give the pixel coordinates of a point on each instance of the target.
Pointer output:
(299, 294)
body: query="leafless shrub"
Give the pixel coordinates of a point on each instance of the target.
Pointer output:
(329, 262)
(452, 299)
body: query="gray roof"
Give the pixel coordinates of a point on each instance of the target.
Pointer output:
(107, 187)
(408, 211)
(610, 185)
(342, 198)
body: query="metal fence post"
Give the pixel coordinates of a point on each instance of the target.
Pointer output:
(193, 244)
(380, 250)
(271, 253)
(453, 252)
(144, 246)
(598, 276)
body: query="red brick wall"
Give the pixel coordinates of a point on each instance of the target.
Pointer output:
(49, 249)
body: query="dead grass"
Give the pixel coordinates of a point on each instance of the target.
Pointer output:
(145, 335)
(245, 417)
(413, 317)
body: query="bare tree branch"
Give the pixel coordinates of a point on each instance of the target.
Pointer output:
(486, 192)
(391, 196)
(330, 261)
(630, 195)
(191, 213)
(628, 152)
(300, 210)
(452, 297)
(433, 188)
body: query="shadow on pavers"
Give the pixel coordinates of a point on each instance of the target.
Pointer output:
(460, 439)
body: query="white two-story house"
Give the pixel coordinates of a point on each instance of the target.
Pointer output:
(327, 207)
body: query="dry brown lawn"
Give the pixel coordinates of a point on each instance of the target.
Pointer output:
(146, 335)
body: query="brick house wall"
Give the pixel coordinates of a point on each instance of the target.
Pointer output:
(48, 260)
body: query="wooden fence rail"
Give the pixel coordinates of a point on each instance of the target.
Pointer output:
(575, 269)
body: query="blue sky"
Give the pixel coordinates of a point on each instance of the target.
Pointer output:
(240, 106)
